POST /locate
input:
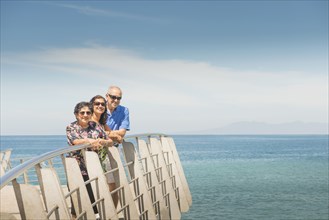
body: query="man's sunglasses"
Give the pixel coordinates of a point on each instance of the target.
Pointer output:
(114, 97)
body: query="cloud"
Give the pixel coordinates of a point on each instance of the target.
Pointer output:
(187, 79)
(162, 93)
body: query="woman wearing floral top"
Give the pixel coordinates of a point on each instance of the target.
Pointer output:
(85, 131)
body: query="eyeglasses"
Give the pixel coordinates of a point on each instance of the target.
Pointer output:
(114, 97)
(99, 103)
(85, 113)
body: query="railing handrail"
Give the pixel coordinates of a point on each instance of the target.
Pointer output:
(144, 135)
(20, 169)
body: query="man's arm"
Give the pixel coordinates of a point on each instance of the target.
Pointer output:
(121, 132)
(116, 136)
(125, 125)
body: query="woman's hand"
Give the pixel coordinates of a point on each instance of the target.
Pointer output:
(95, 143)
(106, 143)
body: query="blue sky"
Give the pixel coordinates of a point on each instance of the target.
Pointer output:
(183, 66)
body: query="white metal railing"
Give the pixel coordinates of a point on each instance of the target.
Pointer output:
(22, 168)
(28, 164)
(125, 170)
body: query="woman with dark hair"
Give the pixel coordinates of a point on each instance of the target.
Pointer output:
(99, 107)
(100, 116)
(85, 131)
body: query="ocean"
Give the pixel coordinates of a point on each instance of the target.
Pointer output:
(282, 177)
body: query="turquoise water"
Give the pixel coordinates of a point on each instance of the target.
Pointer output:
(256, 177)
(238, 177)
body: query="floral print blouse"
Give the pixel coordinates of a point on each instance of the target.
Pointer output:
(74, 131)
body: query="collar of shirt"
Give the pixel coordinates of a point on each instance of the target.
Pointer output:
(109, 113)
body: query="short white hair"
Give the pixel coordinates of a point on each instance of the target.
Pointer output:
(114, 87)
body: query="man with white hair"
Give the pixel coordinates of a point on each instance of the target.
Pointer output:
(118, 115)
(118, 121)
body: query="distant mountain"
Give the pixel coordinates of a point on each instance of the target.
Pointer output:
(250, 127)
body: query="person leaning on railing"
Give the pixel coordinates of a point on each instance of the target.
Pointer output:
(118, 115)
(85, 131)
(100, 117)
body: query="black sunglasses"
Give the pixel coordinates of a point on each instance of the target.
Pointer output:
(114, 97)
(99, 103)
(83, 113)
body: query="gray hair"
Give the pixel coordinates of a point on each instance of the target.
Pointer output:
(114, 87)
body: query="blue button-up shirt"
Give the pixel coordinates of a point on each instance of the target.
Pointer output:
(119, 118)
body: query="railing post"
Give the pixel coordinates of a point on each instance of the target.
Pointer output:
(25, 176)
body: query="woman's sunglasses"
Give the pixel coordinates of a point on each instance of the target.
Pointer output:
(99, 103)
(85, 113)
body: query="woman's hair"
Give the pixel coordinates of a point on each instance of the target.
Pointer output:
(80, 105)
(103, 117)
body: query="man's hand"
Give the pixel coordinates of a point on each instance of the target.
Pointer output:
(115, 137)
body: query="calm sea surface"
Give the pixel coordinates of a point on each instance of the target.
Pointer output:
(236, 176)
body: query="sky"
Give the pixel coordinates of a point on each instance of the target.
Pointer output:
(183, 66)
